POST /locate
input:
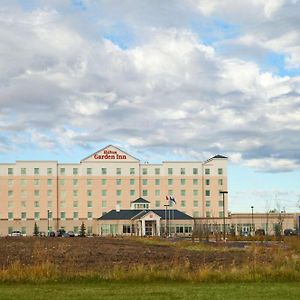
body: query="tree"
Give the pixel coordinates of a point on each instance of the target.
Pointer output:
(36, 229)
(82, 229)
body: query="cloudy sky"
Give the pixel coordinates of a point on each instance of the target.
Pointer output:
(176, 79)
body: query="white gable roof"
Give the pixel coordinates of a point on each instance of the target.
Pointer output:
(110, 153)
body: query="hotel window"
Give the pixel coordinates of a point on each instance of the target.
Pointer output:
(119, 192)
(104, 193)
(63, 194)
(90, 229)
(145, 193)
(10, 229)
(118, 171)
(103, 181)
(220, 181)
(23, 171)
(49, 171)
(132, 181)
(10, 193)
(182, 171)
(104, 203)
(75, 171)
(36, 215)
(195, 181)
(10, 216)
(118, 181)
(75, 182)
(157, 171)
(220, 171)
(132, 171)
(76, 229)
(132, 192)
(62, 204)
(145, 181)
(195, 214)
(75, 203)
(182, 181)
(157, 203)
(220, 203)
(90, 216)
(10, 204)
(196, 203)
(89, 193)
(170, 181)
(10, 171)
(10, 182)
(50, 215)
(221, 214)
(183, 193)
(207, 203)
(90, 204)
(89, 182)
(195, 192)
(49, 181)
(182, 203)
(36, 182)
(36, 204)
(157, 181)
(23, 216)
(75, 193)
(170, 192)
(49, 193)
(23, 193)
(62, 171)
(62, 182)
(36, 171)
(36, 193)
(103, 171)
(49, 204)
(207, 182)
(207, 193)
(195, 171)
(75, 215)
(23, 204)
(207, 171)
(144, 171)
(157, 193)
(62, 215)
(89, 171)
(170, 171)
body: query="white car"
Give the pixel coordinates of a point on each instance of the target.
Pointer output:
(16, 233)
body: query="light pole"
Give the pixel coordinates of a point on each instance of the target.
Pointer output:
(252, 227)
(48, 212)
(223, 193)
(166, 219)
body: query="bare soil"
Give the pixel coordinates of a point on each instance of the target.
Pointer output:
(91, 254)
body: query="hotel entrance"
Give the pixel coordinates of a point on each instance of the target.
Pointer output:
(150, 228)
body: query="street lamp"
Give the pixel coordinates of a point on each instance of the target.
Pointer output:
(252, 227)
(223, 193)
(48, 225)
(166, 219)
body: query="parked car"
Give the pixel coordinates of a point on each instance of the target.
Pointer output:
(288, 232)
(260, 232)
(16, 233)
(52, 234)
(71, 233)
(60, 232)
(245, 233)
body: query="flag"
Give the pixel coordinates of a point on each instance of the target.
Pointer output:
(167, 198)
(172, 198)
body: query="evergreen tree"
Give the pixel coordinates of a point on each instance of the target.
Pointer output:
(35, 230)
(82, 229)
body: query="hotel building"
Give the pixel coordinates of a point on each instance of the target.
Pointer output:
(58, 195)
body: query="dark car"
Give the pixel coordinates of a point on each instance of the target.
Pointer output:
(71, 233)
(260, 232)
(288, 232)
(60, 232)
(52, 234)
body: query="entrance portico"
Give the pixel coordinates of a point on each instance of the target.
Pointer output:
(148, 223)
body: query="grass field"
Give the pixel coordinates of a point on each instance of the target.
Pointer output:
(124, 290)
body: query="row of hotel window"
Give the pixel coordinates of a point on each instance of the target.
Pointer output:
(103, 171)
(37, 217)
(104, 204)
(118, 181)
(119, 193)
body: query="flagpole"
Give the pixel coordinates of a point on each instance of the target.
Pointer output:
(166, 218)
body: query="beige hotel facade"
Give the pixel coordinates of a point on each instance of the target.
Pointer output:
(58, 195)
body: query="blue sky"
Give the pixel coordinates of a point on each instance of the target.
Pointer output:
(162, 80)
